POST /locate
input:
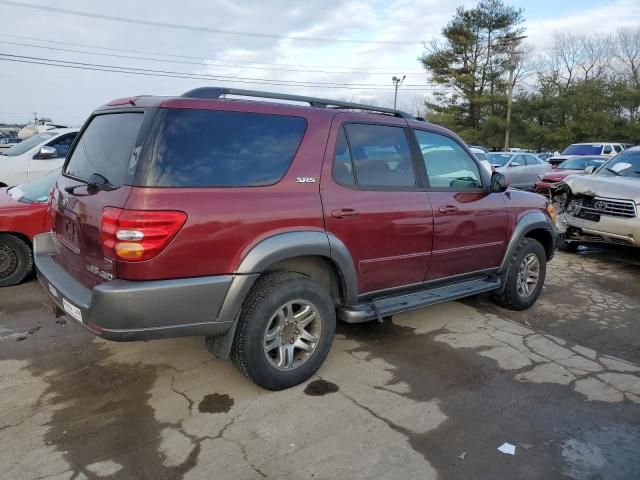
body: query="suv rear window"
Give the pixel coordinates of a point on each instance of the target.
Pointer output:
(105, 147)
(210, 148)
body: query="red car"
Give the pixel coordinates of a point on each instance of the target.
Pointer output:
(23, 214)
(571, 166)
(257, 224)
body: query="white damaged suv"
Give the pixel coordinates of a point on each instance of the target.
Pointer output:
(602, 207)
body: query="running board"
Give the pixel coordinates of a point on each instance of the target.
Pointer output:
(384, 306)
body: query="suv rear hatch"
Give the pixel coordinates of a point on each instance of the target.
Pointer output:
(97, 174)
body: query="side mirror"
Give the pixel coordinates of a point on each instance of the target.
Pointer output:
(589, 170)
(514, 164)
(46, 152)
(499, 183)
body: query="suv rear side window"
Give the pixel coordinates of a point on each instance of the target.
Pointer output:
(209, 148)
(379, 155)
(106, 147)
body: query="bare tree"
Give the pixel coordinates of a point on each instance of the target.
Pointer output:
(595, 52)
(564, 58)
(627, 53)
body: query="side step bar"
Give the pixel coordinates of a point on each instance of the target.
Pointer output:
(384, 306)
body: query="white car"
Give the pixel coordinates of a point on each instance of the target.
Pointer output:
(575, 149)
(36, 156)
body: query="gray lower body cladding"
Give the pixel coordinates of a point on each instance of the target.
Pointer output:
(122, 310)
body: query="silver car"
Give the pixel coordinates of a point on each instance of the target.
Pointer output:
(522, 169)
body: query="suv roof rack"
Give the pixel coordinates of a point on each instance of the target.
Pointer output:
(216, 93)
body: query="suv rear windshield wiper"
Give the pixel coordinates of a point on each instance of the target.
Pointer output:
(96, 180)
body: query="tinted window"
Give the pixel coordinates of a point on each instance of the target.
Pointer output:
(607, 149)
(617, 148)
(106, 147)
(448, 164)
(342, 165)
(62, 144)
(206, 148)
(381, 156)
(586, 149)
(531, 160)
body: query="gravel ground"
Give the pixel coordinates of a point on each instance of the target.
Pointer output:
(429, 394)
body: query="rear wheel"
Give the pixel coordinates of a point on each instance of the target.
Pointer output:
(16, 261)
(285, 332)
(525, 277)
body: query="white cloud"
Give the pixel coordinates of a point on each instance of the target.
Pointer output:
(70, 95)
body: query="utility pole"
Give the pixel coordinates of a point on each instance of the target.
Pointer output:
(397, 81)
(512, 42)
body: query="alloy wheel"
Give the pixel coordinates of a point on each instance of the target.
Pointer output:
(292, 334)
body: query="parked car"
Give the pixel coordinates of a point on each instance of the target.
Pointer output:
(522, 169)
(608, 149)
(602, 207)
(482, 156)
(256, 224)
(572, 166)
(23, 214)
(35, 156)
(544, 156)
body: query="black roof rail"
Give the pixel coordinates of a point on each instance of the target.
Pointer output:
(216, 93)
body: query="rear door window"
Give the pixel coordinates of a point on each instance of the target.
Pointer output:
(106, 148)
(210, 148)
(380, 155)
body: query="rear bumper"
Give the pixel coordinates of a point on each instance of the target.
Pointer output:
(125, 310)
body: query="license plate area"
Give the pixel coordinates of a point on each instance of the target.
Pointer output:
(68, 231)
(71, 310)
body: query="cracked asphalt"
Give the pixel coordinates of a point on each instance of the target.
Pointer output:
(429, 394)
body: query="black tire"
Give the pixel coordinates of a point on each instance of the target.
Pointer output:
(16, 260)
(563, 245)
(267, 296)
(511, 298)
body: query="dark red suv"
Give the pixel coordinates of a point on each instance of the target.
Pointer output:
(256, 224)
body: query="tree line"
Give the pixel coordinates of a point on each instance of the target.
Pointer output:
(581, 88)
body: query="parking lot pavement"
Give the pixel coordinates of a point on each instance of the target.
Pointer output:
(430, 394)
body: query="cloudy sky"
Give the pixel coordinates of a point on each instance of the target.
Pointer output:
(345, 49)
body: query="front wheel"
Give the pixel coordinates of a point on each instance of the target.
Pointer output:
(285, 332)
(525, 277)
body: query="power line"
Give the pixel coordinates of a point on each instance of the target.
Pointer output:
(186, 75)
(173, 55)
(186, 62)
(215, 77)
(195, 28)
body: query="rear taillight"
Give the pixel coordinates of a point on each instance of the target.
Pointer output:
(136, 235)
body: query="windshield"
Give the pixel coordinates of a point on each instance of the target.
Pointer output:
(499, 159)
(28, 144)
(626, 164)
(588, 149)
(580, 163)
(36, 191)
